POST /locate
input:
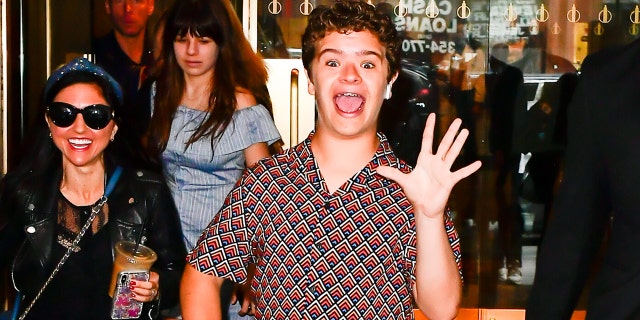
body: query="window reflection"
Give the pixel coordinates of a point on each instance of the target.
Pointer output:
(508, 69)
(271, 42)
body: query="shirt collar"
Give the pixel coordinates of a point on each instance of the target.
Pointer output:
(384, 155)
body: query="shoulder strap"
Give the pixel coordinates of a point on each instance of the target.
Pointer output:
(94, 211)
(112, 181)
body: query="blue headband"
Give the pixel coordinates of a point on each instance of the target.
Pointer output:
(83, 65)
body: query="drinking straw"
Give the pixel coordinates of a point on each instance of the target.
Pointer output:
(139, 237)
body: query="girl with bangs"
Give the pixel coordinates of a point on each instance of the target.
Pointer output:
(211, 112)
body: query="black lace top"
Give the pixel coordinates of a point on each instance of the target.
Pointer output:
(79, 290)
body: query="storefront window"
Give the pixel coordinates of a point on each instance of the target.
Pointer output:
(507, 68)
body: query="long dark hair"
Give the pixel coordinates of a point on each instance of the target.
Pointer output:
(41, 157)
(40, 166)
(237, 66)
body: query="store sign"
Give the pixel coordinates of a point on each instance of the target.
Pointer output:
(425, 31)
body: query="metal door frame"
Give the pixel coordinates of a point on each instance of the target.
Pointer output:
(294, 107)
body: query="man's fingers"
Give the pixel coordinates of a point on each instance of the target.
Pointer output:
(466, 171)
(453, 152)
(448, 139)
(427, 134)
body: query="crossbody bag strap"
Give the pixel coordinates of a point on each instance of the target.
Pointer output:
(94, 211)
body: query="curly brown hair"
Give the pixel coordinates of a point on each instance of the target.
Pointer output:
(346, 16)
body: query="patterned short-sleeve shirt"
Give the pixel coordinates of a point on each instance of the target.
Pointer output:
(346, 255)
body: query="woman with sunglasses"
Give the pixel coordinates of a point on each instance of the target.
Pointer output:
(211, 114)
(51, 195)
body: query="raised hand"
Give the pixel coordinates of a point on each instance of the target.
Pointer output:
(430, 183)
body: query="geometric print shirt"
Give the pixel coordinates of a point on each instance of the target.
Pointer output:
(346, 255)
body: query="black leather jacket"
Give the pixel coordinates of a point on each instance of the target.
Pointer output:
(29, 212)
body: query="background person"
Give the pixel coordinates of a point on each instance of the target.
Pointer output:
(49, 196)
(466, 64)
(503, 96)
(125, 53)
(211, 113)
(597, 204)
(331, 236)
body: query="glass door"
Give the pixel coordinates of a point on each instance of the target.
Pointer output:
(274, 30)
(452, 54)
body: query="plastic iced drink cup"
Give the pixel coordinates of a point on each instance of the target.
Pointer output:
(128, 260)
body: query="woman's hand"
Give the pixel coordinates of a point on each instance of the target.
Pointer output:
(242, 294)
(146, 291)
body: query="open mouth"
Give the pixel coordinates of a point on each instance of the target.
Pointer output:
(80, 143)
(349, 102)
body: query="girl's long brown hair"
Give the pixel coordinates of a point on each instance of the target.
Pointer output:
(238, 66)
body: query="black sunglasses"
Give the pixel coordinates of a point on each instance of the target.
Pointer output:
(96, 116)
